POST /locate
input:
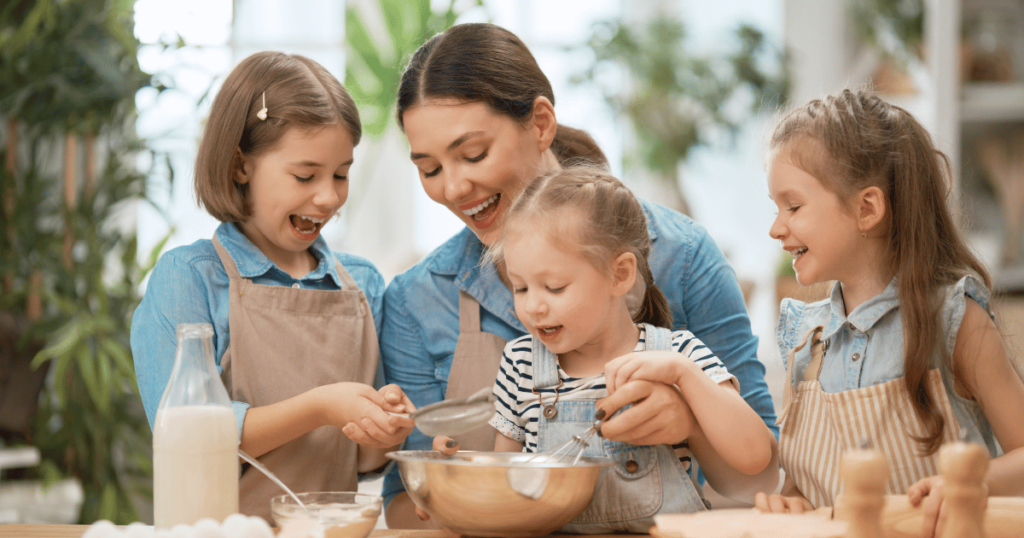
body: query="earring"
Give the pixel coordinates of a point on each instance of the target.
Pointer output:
(262, 114)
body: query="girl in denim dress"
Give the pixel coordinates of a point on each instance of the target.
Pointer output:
(905, 353)
(574, 245)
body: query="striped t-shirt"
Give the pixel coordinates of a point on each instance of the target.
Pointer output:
(518, 408)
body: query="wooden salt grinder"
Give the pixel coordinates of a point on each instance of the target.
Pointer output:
(965, 497)
(865, 473)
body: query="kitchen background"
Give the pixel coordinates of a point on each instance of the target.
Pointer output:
(73, 253)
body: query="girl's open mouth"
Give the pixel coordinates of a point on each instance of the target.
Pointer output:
(307, 227)
(548, 332)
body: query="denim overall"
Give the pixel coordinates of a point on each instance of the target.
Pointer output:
(623, 500)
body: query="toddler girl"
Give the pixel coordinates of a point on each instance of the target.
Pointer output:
(574, 245)
(295, 324)
(904, 354)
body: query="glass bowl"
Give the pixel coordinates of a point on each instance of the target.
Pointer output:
(330, 514)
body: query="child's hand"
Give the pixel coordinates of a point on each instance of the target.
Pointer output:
(929, 491)
(395, 400)
(445, 445)
(662, 366)
(359, 411)
(781, 504)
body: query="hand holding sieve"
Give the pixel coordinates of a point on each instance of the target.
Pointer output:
(454, 416)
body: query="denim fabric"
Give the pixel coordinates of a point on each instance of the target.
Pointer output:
(421, 313)
(189, 285)
(866, 347)
(623, 500)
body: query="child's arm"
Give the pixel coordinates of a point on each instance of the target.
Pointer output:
(789, 500)
(357, 409)
(984, 372)
(731, 442)
(503, 443)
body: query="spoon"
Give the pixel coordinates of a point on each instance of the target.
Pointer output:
(454, 416)
(263, 469)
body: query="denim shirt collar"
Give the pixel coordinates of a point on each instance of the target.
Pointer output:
(864, 316)
(253, 263)
(460, 257)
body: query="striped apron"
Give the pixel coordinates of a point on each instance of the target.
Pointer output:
(816, 427)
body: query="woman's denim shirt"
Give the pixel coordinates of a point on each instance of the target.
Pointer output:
(190, 285)
(866, 347)
(421, 313)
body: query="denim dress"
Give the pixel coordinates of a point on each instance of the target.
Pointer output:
(645, 481)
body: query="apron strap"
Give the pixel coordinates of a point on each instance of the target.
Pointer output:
(469, 313)
(226, 259)
(545, 367)
(810, 374)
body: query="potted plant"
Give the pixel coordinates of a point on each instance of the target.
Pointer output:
(69, 273)
(676, 100)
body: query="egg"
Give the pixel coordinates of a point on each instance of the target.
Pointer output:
(234, 525)
(138, 530)
(102, 529)
(207, 528)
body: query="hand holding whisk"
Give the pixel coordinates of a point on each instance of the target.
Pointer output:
(573, 448)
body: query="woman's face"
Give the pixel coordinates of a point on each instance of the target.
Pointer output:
(475, 161)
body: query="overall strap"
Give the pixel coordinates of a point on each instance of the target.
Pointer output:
(657, 338)
(545, 366)
(810, 374)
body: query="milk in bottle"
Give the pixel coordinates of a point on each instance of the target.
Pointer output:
(195, 438)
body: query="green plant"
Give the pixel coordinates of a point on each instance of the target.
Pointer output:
(677, 100)
(68, 78)
(374, 68)
(784, 268)
(893, 27)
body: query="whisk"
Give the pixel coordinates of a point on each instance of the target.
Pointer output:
(572, 449)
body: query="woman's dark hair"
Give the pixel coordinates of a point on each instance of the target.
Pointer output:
(483, 62)
(613, 222)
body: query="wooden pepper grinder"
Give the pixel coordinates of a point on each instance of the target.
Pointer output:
(865, 473)
(965, 496)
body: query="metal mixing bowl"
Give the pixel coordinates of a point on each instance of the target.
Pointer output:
(498, 493)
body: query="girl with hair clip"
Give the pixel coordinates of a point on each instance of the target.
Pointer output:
(905, 353)
(574, 244)
(295, 324)
(479, 115)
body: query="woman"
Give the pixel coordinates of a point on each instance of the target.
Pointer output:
(479, 116)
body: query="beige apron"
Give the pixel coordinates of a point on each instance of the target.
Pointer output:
(817, 427)
(475, 366)
(286, 341)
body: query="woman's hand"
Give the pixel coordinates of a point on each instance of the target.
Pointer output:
(360, 413)
(782, 504)
(659, 415)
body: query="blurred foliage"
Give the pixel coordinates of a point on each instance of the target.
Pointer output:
(676, 99)
(893, 27)
(68, 68)
(374, 68)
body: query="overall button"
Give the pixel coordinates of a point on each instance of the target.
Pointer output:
(855, 357)
(296, 285)
(631, 466)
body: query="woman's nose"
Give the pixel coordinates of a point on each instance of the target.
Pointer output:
(456, 185)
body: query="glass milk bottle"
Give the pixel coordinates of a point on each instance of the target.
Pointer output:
(195, 439)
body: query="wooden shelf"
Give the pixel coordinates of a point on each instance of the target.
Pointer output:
(992, 102)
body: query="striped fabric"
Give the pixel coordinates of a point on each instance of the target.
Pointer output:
(518, 409)
(817, 427)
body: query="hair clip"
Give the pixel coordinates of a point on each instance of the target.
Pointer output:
(262, 114)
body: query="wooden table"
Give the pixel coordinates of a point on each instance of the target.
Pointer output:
(76, 531)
